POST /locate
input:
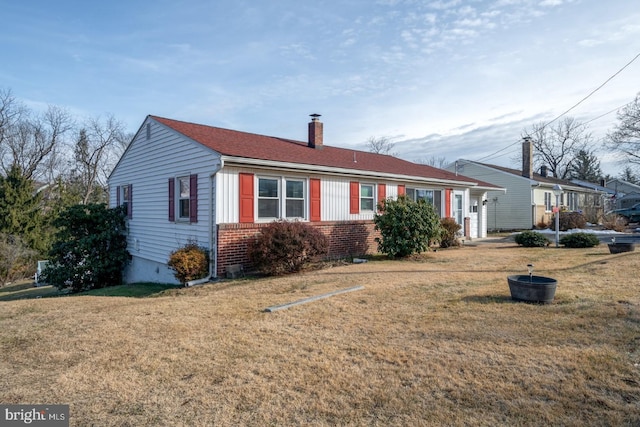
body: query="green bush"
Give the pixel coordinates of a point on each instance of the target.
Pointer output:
(89, 250)
(569, 221)
(579, 240)
(190, 262)
(531, 239)
(449, 235)
(406, 226)
(286, 246)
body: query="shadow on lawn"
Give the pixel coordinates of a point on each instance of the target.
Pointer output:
(27, 290)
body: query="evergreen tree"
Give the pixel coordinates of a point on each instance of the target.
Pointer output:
(21, 211)
(629, 175)
(586, 167)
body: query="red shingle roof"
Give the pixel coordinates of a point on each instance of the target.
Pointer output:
(242, 144)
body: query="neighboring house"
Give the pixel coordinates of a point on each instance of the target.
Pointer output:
(529, 199)
(625, 193)
(608, 195)
(186, 182)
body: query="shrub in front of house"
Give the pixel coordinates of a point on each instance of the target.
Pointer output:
(406, 227)
(90, 248)
(449, 235)
(190, 262)
(615, 222)
(569, 221)
(531, 239)
(579, 240)
(286, 246)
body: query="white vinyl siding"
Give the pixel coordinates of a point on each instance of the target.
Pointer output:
(147, 166)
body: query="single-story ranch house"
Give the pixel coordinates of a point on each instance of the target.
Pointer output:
(184, 182)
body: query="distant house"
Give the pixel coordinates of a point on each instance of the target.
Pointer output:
(529, 199)
(186, 182)
(625, 194)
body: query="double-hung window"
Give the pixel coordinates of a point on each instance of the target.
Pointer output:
(417, 194)
(367, 201)
(183, 198)
(294, 198)
(268, 198)
(124, 198)
(273, 202)
(572, 201)
(547, 202)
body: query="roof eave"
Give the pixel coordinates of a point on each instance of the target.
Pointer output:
(291, 166)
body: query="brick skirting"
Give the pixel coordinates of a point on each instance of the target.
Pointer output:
(346, 239)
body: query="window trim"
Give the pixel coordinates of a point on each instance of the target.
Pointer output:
(304, 199)
(124, 197)
(179, 198)
(175, 199)
(372, 197)
(259, 198)
(548, 204)
(415, 189)
(282, 198)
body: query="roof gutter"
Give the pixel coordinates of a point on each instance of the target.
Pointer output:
(297, 167)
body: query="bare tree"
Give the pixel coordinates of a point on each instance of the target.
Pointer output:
(381, 145)
(558, 146)
(435, 161)
(99, 144)
(625, 138)
(30, 141)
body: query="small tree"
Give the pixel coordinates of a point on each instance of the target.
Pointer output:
(190, 262)
(449, 235)
(286, 246)
(406, 226)
(90, 248)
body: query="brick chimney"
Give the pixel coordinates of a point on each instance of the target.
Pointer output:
(527, 157)
(315, 132)
(543, 171)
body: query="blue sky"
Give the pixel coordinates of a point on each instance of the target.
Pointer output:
(441, 78)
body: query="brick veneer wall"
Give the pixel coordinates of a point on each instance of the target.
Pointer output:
(346, 239)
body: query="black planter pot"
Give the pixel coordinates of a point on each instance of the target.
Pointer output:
(532, 288)
(616, 248)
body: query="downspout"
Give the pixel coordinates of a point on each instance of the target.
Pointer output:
(213, 254)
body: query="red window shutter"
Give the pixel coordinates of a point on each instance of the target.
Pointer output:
(193, 198)
(246, 197)
(447, 203)
(129, 202)
(118, 195)
(314, 200)
(401, 190)
(382, 192)
(354, 197)
(172, 200)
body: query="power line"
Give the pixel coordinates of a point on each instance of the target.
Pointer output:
(499, 151)
(574, 106)
(595, 90)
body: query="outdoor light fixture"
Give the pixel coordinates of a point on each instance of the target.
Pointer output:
(557, 190)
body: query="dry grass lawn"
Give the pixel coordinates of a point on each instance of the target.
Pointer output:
(434, 341)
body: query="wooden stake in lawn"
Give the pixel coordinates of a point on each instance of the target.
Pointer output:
(311, 299)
